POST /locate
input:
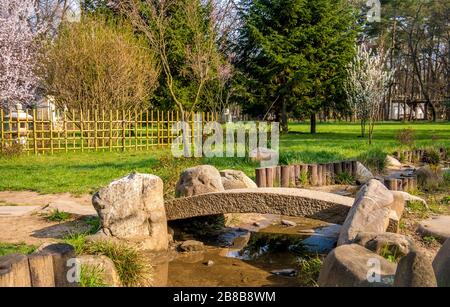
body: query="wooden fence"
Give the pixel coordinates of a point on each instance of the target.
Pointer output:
(98, 130)
(301, 175)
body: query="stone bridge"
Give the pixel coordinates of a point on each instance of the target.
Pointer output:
(318, 205)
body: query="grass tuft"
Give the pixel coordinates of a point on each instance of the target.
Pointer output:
(57, 216)
(374, 160)
(131, 265)
(309, 269)
(91, 277)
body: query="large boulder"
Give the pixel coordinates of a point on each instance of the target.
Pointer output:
(369, 213)
(392, 162)
(415, 270)
(132, 209)
(363, 175)
(437, 226)
(379, 243)
(408, 198)
(355, 266)
(441, 265)
(103, 266)
(198, 180)
(232, 180)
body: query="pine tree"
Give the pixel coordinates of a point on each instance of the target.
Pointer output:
(293, 54)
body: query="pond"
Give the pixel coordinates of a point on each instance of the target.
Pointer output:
(269, 254)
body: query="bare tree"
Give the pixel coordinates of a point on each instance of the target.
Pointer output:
(200, 56)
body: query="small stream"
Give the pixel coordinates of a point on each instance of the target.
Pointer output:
(247, 255)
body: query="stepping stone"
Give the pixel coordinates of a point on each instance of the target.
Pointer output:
(436, 226)
(8, 211)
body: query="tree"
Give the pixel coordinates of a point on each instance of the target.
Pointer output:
(367, 85)
(183, 35)
(294, 54)
(417, 33)
(23, 23)
(96, 64)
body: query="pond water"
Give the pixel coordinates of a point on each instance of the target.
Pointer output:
(247, 255)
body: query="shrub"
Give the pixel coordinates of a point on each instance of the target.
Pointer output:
(429, 178)
(431, 156)
(10, 151)
(375, 160)
(98, 64)
(406, 137)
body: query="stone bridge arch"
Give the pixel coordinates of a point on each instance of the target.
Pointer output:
(318, 205)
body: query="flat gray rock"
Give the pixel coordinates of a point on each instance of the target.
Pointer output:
(18, 210)
(436, 226)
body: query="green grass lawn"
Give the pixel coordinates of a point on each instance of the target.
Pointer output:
(80, 173)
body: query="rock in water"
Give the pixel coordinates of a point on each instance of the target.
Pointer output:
(192, 246)
(441, 265)
(285, 272)
(232, 180)
(354, 266)
(369, 213)
(415, 270)
(199, 180)
(363, 175)
(132, 209)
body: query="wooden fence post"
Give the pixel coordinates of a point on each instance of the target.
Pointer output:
(269, 177)
(285, 176)
(261, 177)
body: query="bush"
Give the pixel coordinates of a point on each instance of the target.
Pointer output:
(429, 178)
(406, 137)
(98, 64)
(374, 160)
(11, 151)
(431, 156)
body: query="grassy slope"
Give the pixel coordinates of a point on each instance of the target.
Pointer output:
(85, 172)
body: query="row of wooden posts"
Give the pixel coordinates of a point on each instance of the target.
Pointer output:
(416, 154)
(288, 176)
(47, 268)
(405, 184)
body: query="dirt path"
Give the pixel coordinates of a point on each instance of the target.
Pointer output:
(21, 217)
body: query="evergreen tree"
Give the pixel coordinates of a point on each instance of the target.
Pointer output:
(293, 54)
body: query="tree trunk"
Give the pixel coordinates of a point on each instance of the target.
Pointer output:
(313, 123)
(284, 120)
